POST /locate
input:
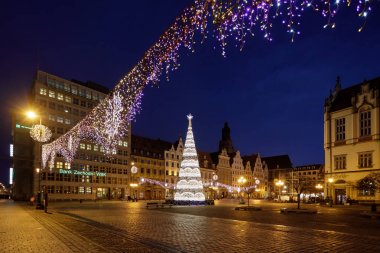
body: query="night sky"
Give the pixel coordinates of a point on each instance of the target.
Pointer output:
(272, 93)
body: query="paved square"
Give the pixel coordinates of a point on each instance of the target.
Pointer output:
(130, 227)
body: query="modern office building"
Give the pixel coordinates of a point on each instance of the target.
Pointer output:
(60, 104)
(352, 140)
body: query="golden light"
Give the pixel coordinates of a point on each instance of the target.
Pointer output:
(38, 170)
(331, 180)
(31, 114)
(279, 183)
(319, 186)
(242, 180)
(133, 185)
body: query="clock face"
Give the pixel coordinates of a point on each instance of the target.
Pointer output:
(134, 169)
(257, 181)
(215, 177)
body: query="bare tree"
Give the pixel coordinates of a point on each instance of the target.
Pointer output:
(301, 185)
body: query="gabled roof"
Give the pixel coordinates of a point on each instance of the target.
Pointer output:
(344, 96)
(277, 162)
(202, 156)
(251, 159)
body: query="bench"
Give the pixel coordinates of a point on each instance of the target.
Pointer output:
(158, 205)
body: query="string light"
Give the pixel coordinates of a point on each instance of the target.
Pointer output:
(40, 133)
(189, 186)
(108, 122)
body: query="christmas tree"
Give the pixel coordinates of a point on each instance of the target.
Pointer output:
(189, 187)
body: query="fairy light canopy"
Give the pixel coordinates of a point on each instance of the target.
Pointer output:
(223, 20)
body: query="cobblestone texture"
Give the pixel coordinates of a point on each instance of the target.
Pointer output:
(130, 227)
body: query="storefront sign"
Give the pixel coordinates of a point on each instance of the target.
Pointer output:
(83, 173)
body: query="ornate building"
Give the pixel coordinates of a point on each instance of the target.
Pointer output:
(352, 140)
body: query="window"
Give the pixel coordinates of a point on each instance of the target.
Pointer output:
(74, 90)
(82, 146)
(76, 101)
(59, 165)
(340, 125)
(60, 96)
(83, 103)
(96, 148)
(52, 105)
(51, 94)
(68, 99)
(43, 91)
(125, 144)
(67, 166)
(51, 117)
(365, 160)
(67, 87)
(365, 123)
(59, 119)
(88, 146)
(67, 121)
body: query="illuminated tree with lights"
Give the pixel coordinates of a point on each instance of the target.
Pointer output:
(189, 187)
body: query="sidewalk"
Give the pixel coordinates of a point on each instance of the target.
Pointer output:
(20, 232)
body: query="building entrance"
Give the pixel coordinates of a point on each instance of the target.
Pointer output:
(340, 196)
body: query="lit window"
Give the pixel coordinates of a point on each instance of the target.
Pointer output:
(43, 91)
(125, 144)
(114, 151)
(96, 148)
(74, 90)
(67, 87)
(51, 94)
(120, 143)
(67, 166)
(82, 146)
(59, 119)
(59, 165)
(102, 149)
(67, 121)
(365, 160)
(340, 129)
(68, 99)
(51, 117)
(88, 146)
(60, 96)
(365, 123)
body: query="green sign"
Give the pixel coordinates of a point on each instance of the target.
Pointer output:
(21, 126)
(82, 173)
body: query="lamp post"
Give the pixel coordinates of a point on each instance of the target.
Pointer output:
(319, 188)
(279, 184)
(133, 184)
(40, 134)
(329, 190)
(242, 181)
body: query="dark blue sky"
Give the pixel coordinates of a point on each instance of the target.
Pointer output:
(271, 93)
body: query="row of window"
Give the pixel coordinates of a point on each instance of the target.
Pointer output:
(52, 189)
(364, 126)
(95, 147)
(364, 161)
(59, 119)
(70, 88)
(101, 158)
(86, 167)
(62, 108)
(83, 179)
(64, 98)
(147, 153)
(172, 164)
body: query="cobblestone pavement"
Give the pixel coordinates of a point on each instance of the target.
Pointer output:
(130, 227)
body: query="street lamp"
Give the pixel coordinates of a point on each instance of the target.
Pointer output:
(279, 184)
(40, 134)
(319, 188)
(133, 184)
(241, 181)
(329, 190)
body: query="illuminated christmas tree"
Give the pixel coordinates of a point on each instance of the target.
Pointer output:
(189, 187)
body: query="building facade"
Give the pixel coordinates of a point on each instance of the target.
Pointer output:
(60, 104)
(352, 140)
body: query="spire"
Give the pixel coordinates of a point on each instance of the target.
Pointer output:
(338, 86)
(226, 142)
